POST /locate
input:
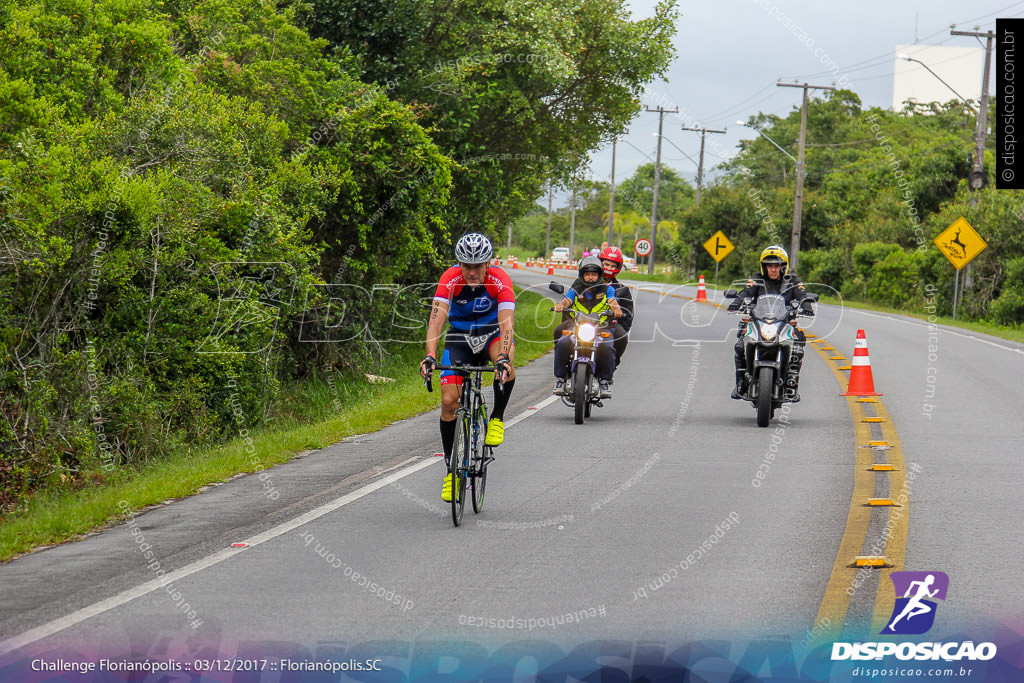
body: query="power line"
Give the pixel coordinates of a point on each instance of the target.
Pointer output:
(887, 56)
(741, 103)
(738, 110)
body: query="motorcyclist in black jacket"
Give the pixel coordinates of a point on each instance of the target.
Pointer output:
(774, 280)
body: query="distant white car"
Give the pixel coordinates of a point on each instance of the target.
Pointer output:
(560, 253)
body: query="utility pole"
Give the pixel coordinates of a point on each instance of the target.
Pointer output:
(572, 223)
(547, 241)
(611, 201)
(657, 181)
(508, 244)
(700, 166)
(977, 178)
(801, 171)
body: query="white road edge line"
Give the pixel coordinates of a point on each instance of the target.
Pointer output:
(942, 328)
(46, 630)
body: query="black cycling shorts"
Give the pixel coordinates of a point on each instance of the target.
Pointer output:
(468, 348)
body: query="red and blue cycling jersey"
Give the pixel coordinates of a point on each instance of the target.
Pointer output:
(470, 308)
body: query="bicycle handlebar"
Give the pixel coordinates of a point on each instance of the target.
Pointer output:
(461, 368)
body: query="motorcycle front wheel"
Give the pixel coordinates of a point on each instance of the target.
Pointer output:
(765, 384)
(580, 381)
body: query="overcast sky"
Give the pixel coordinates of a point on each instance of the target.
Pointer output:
(731, 53)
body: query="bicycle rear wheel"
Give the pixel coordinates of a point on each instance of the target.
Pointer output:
(460, 464)
(480, 480)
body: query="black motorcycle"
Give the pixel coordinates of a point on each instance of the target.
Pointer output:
(768, 342)
(590, 331)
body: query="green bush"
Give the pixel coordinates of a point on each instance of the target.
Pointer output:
(826, 266)
(1008, 309)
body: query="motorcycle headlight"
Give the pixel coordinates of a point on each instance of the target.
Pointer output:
(769, 330)
(586, 332)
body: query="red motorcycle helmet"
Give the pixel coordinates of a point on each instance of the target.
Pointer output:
(612, 254)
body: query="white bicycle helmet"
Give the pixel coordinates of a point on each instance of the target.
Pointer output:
(473, 248)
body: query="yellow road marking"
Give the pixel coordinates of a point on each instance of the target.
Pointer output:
(836, 600)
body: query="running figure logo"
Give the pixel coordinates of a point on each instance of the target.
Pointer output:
(914, 613)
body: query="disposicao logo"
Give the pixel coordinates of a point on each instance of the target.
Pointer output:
(914, 613)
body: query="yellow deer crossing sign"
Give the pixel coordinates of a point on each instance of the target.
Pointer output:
(960, 243)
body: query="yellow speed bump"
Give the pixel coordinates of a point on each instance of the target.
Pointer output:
(828, 348)
(845, 367)
(879, 444)
(836, 358)
(882, 467)
(878, 502)
(867, 400)
(870, 561)
(873, 419)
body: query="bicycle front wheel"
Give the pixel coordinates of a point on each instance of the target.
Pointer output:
(480, 453)
(459, 468)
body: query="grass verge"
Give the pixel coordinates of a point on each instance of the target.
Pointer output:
(346, 407)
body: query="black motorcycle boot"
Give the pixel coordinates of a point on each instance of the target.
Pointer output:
(741, 385)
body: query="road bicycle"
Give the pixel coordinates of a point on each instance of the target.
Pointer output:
(470, 455)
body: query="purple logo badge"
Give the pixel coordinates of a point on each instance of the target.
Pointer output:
(914, 613)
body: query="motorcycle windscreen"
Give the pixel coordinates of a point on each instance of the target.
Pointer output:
(770, 307)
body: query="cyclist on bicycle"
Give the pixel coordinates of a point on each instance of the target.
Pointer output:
(478, 303)
(591, 295)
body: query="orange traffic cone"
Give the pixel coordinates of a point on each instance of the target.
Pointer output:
(702, 292)
(551, 268)
(861, 382)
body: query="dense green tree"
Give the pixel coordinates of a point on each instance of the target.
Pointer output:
(516, 93)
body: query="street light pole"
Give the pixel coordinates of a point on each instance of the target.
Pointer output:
(908, 58)
(977, 179)
(801, 171)
(572, 223)
(657, 181)
(547, 241)
(765, 136)
(611, 202)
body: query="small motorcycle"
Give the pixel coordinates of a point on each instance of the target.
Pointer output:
(768, 342)
(590, 331)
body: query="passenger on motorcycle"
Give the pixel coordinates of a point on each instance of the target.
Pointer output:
(478, 302)
(611, 262)
(774, 280)
(590, 295)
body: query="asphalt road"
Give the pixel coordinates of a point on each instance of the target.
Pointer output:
(648, 524)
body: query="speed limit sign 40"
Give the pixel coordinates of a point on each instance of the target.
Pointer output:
(643, 247)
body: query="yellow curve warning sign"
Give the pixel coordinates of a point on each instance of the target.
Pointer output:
(719, 246)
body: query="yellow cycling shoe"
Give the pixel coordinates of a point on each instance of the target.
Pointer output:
(446, 488)
(495, 432)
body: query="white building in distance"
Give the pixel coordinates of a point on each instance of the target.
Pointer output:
(960, 67)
